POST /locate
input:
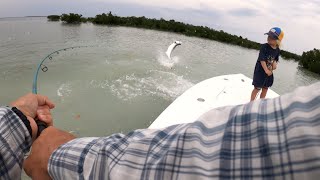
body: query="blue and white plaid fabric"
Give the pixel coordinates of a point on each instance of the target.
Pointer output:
(15, 142)
(267, 139)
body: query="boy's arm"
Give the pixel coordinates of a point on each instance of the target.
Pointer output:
(264, 66)
(274, 65)
(275, 62)
(263, 59)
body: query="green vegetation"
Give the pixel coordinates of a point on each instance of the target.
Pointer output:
(177, 27)
(289, 55)
(189, 30)
(311, 60)
(54, 18)
(72, 18)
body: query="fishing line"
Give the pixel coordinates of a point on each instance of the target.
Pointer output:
(45, 68)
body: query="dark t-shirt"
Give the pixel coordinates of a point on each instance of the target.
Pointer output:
(268, 54)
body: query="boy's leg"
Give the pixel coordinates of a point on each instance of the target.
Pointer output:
(254, 93)
(264, 92)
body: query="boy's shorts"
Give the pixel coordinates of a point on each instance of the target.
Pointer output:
(262, 81)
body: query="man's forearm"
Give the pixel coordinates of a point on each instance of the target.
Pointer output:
(15, 142)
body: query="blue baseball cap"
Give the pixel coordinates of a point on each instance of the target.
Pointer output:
(276, 33)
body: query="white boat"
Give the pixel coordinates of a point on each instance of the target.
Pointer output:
(211, 93)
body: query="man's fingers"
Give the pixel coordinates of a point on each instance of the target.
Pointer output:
(47, 119)
(44, 114)
(43, 110)
(44, 100)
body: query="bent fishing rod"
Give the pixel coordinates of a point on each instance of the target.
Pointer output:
(42, 125)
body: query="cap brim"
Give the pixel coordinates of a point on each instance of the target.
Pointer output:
(272, 35)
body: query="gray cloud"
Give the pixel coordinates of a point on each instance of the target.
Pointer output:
(244, 12)
(203, 17)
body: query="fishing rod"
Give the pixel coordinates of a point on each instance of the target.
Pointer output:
(44, 68)
(41, 125)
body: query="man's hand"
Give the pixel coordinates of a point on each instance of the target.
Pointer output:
(33, 106)
(50, 139)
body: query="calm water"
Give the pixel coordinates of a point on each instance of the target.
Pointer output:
(123, 81)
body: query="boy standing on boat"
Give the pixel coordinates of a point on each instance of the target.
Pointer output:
(267, 63)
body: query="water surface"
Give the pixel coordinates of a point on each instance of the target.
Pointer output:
(123, 80)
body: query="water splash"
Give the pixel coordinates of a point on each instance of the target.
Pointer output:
(156, 83)
(166, 62)
(64, 90)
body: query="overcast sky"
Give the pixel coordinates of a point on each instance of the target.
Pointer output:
(300, 19)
